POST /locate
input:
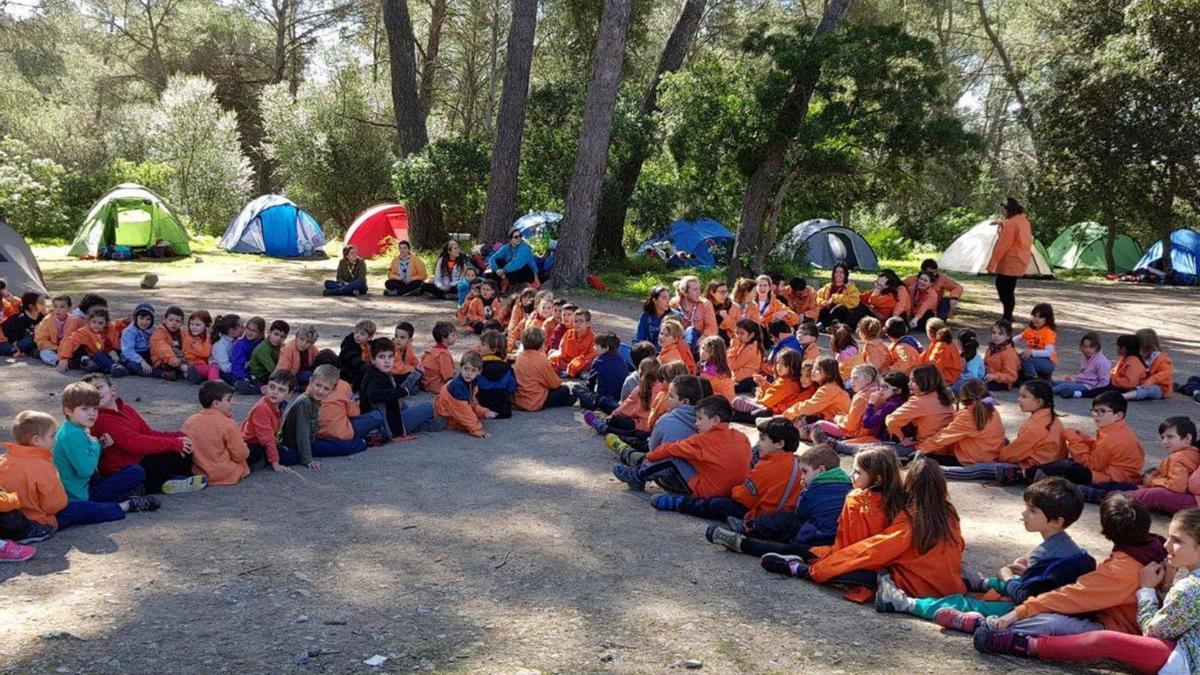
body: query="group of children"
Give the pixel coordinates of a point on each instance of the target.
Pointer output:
(911, 415)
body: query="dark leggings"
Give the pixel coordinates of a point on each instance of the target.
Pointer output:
(403, 287)
(1077, 474)
(746, 386)
(522, 276)
(760, 547)
(433, 291)
(163, 467)
(559, 397)
(713, 508)
(1006, 288)
(836, 313)
(13, 525)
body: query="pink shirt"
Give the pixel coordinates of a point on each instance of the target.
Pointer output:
(1094, 372)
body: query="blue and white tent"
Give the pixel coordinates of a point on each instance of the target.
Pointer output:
(1185, 253)
(695, 239)
(539, 224)
(274, 226)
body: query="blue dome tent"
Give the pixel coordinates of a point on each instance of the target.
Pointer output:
(274, 226)
(694, 239)
(539, 224)
(1185, 255)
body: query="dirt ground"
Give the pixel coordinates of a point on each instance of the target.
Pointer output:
(516, 554)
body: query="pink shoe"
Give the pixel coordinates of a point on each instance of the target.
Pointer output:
(11, 551)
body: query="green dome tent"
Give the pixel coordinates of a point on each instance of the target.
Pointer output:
(1081, 246)
(129, 215)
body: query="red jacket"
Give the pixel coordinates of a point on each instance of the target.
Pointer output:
(720, 456)
(132, 438)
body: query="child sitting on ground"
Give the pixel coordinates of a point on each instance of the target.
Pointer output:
(197, 348)
(1110, 461)
(1175, 484)
(1039, 441)
(872, 349)
(1002, 362)
(941, 351)
(538, 385)
(601, 388)
(227, 329)
(28, 471)
(556, 328)
(774, 483)
(975, 433)
(1094, 369)
(483, 311)
(437, 365)
(828, 401)
(19, 328)
(136, 342)
(298, 355)
(166, 347)
(381, 393)
(239, 356)
(341, 423)
(639, 352)
(91, 347)
(710, 463)
(746, 355)
(17, 531)
(1039, 357)
(1160, 371)
(1105, 599)
(634, 410)
(968, 348)
(301, 423)
(927, 411)
(496, 383)
(782, 337)
(354, 353)
(260, 429)
(456, 401)
(714, 366)
(404, 363)
(773, 397)
(672, 347)
(218, 450)
(677, 422)
(1051, 506)
(49, 333)
(891, 393)
(844, 349)
(902, 355)
(577, 349)
(849, 423)
(264, 360)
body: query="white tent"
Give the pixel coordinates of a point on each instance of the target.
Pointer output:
(18, 266)
(972, 250)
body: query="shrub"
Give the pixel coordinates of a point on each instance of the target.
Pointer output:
(31, 198)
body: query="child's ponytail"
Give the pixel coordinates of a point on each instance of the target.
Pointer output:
(929, 507)
(973, 395)
(647, 378)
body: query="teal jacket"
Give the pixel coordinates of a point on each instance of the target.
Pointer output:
(76, 455)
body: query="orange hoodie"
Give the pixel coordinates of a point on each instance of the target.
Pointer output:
(535, 378)
(722, 385)
(162, 348)
(632, 407)
(1115, 455)
(1161, 374)
(196, 348)
(1041, 338)
(289, 357)
(658, 405)
(902, 357)
(882, 305)
(775, 476)
(774, 310)
(91, 341)
(1127, 373)
(333, 419)
(745, 360)
(1173, 472)
(829, 401)
(720, 457)
(1039, 441)
(876, 353)
(676, 352)
(1003, 365)
(437, 368)
(461, 415)
(576, 352)
(47, 335)
(1013, 247)
(924, 411)
(947, 359)
(935, 573)
(701, 316)
(29, 473)
(779, 395)
(851, 421)
(969, 444)
(478, 310)
(811, 352)
(218, 450)
(405, 361)
(862, 516)
(1110, 592)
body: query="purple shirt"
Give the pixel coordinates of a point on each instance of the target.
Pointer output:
(1094, 372)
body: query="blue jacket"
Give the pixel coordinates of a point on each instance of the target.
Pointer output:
(513, 258)
(1048, 575)
(676, 425)
(239, 355)
(647, 329)
(460, 389)
(789, 342)
(973, 369)
(607, 375)
(819, 507)
(496, 386)
(134, 340)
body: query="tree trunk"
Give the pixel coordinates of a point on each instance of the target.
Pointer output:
(587, 180)
(427, 229)
(763, 181)
(437, 18)
(1010, 75)
(770, 232)
(501, 203)
(1110, 260)
(610, 232)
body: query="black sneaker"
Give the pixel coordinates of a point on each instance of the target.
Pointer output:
(36, 532)
(736, 524)
(144, 503)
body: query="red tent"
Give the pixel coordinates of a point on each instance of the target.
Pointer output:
(373, 229)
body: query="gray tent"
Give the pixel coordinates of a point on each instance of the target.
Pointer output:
(824, 243)
(18, 267)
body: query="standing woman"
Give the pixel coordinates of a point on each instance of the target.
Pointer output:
(351, 274)
(656, 308)
(1010, 256)
(837, 298)
(407, 272)
(448, 272)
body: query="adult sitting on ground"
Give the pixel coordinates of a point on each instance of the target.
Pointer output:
(351, 274)
(888, 298)
(407, 273)
(449, 274)
(654, 310)
(695, 311)
(837, 298)
(945, 296)
(1011, 254)
(514, 262)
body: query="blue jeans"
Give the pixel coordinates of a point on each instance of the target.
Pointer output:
(88, 513)
(329, 447)
(1037, 366)
(415, 415)
(412, 381)
(1148, 393)
(118, 486)
(463, 288)
(49, 356)
(368, 422)
(1068, 389)
(350, 288)
(104, 363)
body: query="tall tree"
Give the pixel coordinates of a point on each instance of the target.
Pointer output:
(587, 180)
(1024, 114)
(764, 180)
(429, 55)
(412, 136)
(615, 202)
(510, 124)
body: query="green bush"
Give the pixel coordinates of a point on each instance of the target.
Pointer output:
(888, 243)
(31, 198)
(452, 172)
(946, 227)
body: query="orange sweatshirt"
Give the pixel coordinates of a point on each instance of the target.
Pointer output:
(934, 573)
(862, 516)
(218, 450)
(48, 335)
(196, 348)
(722, 385)
(478, 310)
(91, 341)
(969, 444)
(745, 360)
(764, 488)
(779, 395)
(516, 327)
(29, 473)
(333, 419)
(720, 457)
(829, 401)
(1003, 365)
(1013, 247)
(1036, 444)
(1127, 373)
(461, 415)
(882, 305)
(1115, 455)
(902, 357)
(1041, 338)
(437, 368)
(162, 349)
(289, 357)
(576, 352)
(772, 311)
(261, 427)
(947, 359)
(876, 353)
(405, 361)
(632, 407)
(1110, 592)
(1161, 374)
(535, 378)
(676, 352)
(851, 421)
(811, 352)
(1173, 472)
(923, 411)
(728, 322)
(700, 316)
(658, 406)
